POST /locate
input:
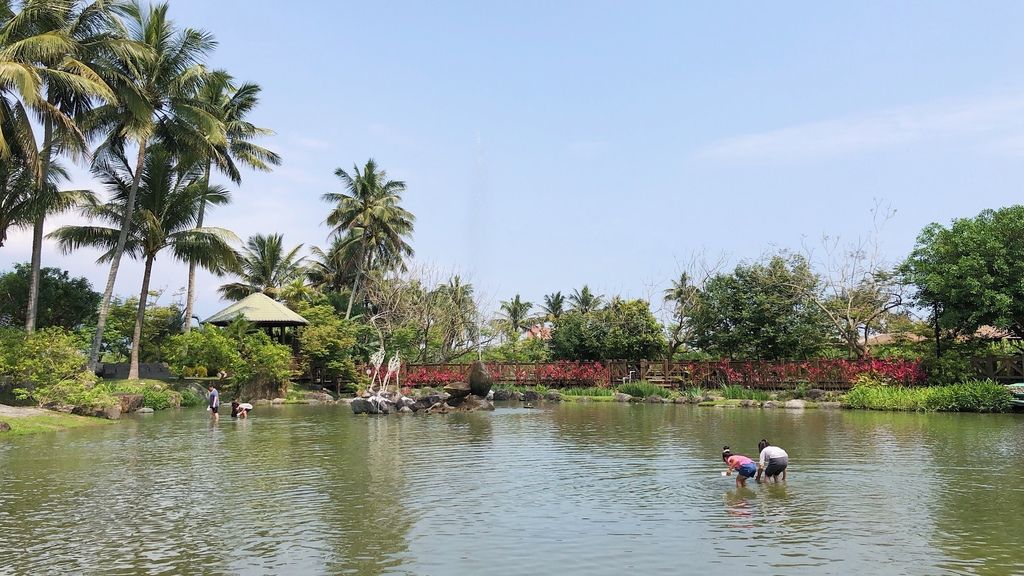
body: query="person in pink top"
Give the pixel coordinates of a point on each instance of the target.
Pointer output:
(744, 467)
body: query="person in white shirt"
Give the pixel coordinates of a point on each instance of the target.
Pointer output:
(773, 461)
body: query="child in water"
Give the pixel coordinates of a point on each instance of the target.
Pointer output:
(744, 467)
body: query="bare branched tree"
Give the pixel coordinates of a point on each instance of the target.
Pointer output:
(858, 286)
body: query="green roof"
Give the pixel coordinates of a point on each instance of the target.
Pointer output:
(259, 309)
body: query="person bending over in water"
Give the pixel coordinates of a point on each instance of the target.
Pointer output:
(744, 467)
(773, 461)
(239, 410)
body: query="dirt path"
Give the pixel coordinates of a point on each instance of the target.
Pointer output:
(20, 411)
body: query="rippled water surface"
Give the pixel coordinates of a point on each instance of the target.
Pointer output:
(575, 489)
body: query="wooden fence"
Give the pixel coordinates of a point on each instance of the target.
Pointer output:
(825, 374)
(1002, 369)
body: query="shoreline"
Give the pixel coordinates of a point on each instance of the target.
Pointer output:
(25, 420)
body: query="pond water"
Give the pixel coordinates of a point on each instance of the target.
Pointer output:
(574, 489)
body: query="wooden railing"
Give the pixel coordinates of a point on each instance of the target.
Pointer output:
(826, 374)
(1003, 369)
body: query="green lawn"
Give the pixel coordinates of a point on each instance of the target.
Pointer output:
(49, 422)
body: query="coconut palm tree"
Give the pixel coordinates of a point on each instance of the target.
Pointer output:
(684, 297)
(554, 306)
(264, 266)
(331, 270)
(584, 301)
(51, 45)
(369, 216)
(169, 197)
(230, 104)
(157, 101)
(516, 314)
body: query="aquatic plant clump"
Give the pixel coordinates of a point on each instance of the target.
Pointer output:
(974, 396)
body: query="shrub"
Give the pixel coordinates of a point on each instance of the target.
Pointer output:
(644, 389)
(265, 367)
(736, 392)
(190, 397)
(974, 396)
(203, 351)
(48, 367)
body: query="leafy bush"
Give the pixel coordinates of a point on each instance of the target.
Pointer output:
(951, 368)
(155, 395)
(48, 367)
(265, 367)
(974, 396)
(190, 397)
(695, 392)
(644, 389)
(202, 351)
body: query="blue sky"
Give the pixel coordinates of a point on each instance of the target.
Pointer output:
(547, 145)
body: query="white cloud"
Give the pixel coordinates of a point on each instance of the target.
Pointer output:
(985, 119)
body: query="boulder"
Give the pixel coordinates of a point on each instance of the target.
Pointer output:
(750, 404)
(816, 393)
(503, 394)
(405, 410)
(111, 413)
(473, 403)
(654, 399)
(479, 379)
(277, 401)
(620, 397)
(322, 397)
(5, 427)
(145, 410)
(406, 402)
(531, 396)
(770, 404)
(458, 389)
(363, 406)
(439, 408)
(830, 405)
(795, 404)
(424, 402)
(553, 396)
(681, 399)
(129, 402)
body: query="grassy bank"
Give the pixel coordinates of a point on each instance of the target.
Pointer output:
(978, 396)
(49, 422)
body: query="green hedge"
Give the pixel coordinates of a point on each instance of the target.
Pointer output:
(973, 396)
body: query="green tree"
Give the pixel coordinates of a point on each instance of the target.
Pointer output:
(169, 199)
(160, 323)
(65, 40)
(326, 345)
(208, 347)
(230, 104)
(516, 314)
(973, 271)
(157, 98)
(63, 301)
(685, 298)
(761, 311)
(264, 266)
(623, 330)
(370, 218)
(554, 306)
(585, 301)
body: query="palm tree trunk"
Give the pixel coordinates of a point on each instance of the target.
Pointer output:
(191, 297)
(115, 262)
(133, 368)
(37, 227)
(352, 297)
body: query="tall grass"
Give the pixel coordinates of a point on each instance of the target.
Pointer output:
(587, 391)
(737, 392)
(643, 389)
(974, 396)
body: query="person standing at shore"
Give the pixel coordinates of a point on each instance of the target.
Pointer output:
(772, 462)
(214, 403)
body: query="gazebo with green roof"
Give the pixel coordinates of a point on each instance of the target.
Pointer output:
(262, 311)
